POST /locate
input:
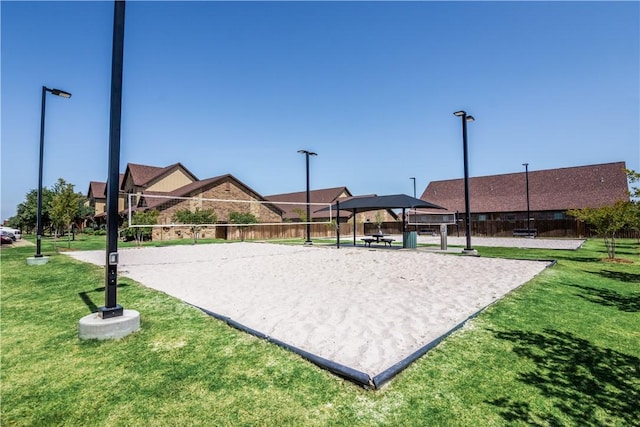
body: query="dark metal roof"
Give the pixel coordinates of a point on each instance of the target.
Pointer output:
(394, 201)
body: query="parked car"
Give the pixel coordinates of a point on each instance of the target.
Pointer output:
(7, 237)
(16, 233)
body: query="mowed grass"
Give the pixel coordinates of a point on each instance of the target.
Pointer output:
(564, 349)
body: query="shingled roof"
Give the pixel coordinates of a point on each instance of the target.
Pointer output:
(197, 187)
(549, 190)
(142, 175)
(99, 189)
(327, 195)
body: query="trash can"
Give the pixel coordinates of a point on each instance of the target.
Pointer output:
(443, 237)
(409, 239)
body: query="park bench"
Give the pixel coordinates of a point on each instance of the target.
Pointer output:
(519, 232)
(386, 240)
(368, 240)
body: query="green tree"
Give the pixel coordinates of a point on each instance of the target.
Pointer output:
(607, 220)
(27, 211)
(244, 220)
(195, 219)
(86, 213)
(378, 220)
(65, 206)
(302, 214)
(140, 233)
(634, 211)
(633, 177)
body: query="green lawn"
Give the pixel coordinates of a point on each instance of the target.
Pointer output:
(562, 350)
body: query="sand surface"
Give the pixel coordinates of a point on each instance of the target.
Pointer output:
(364, 308)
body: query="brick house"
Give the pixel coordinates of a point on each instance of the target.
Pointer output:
(498, 203)
(139, 183)
(139, 179)
(237, 197)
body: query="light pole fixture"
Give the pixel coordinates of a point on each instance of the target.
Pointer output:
(526, 174)
(466, 118)
(62, 94)
(307, 154)
(414, 196)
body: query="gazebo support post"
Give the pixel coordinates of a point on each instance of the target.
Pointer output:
(354, 228)
(338, 222)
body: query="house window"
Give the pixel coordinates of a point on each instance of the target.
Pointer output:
(558, 215)
(482, 217)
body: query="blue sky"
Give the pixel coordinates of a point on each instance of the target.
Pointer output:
(240, 87)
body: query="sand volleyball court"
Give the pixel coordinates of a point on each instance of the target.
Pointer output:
(366, 312)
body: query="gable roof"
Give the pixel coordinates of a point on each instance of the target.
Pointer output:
(97, 190)
(549, 190)
(199, 186)
(142, 175)
(326, 195)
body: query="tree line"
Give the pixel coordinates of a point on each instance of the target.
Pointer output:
(63, 209)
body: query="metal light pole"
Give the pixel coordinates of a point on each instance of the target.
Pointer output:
(111, 307)
(112, 321)
(526, 173)
(63, 94)
(466, 118)
(414, 196)
(307, 154)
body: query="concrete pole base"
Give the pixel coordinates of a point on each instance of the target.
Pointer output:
(37, 260)
(93, 326)
(471, 252)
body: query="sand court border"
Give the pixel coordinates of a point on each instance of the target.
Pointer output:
(364, 314)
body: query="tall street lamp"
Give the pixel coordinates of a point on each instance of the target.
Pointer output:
(466, 118)
(414, 196)
(113, 321)
(62, 94)
(111, 307)
(526, 174)
(307, 154)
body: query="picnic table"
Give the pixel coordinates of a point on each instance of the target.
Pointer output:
(378, 237)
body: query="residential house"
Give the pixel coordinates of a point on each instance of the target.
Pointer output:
(498, 203)
(97, 199)
(139, 179)
(222, 194)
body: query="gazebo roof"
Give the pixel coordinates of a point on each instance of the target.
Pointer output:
(394, 201)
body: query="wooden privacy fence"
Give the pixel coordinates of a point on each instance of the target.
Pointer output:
(566, 228)
(286, 231)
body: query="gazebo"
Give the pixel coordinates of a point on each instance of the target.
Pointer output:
(372, 203)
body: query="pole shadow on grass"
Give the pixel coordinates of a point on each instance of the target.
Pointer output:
(86, 298)
(589, 385)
